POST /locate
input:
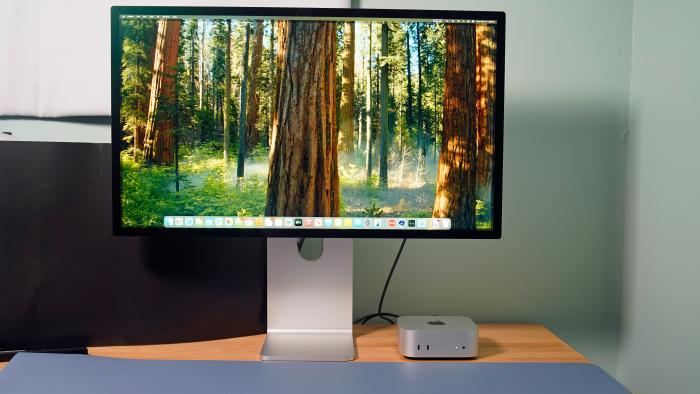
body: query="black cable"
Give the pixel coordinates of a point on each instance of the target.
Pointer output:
(384, 315)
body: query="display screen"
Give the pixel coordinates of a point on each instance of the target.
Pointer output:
(263, 122)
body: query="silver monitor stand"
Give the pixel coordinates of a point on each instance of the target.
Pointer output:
(309, 300)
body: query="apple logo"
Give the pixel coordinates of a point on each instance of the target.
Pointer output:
(436, 323)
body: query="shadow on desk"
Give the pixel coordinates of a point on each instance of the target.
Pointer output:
(488, 348)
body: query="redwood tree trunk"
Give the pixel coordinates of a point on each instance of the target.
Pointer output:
(158, 136)
(252, 133)
(142, 105)
(347, 118)
(486, 89)
(303, 177)
(281, 28)
(456, 184)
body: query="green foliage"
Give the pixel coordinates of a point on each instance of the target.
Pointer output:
(218, 47)
(149, 194)
(373, 210)
(484, 216)
(259, 153)
(373, 181)
(219, 196)
(207, 124)
(145, 196)
(186, 83)
(433, 56)
(417, 213)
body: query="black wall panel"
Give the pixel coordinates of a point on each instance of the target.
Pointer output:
(65, 281)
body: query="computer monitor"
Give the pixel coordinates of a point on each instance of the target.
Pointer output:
(297, 122)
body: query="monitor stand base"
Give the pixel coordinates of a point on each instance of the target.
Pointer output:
(308, 346)
(309, 302)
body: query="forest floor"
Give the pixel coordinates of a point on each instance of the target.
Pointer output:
(364, 200)
(208, 187)
(358, 197)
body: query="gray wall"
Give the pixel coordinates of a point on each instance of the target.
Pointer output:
(559, 262)
(660, 350)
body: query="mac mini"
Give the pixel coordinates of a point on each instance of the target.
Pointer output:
(438, 337)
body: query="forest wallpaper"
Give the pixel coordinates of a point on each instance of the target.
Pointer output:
(234, 117)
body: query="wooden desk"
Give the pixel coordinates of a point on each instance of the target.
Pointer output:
(375, 343)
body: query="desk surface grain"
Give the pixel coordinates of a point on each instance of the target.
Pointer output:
(375, 343)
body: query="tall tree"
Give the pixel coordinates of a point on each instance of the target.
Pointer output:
(435, 120)
(409, 82)
(486, 88)
(368, 108)
(201, 65)
(192, 59)
(426, 112)
(176, 127)
(158, 137)
(419, 98)
(282, 37)
(227, 94)
(240, 171)
(434, 72)
(200, 107)
(384, 109)
(220, 40)
(347, 96)
(137, 65)
(271, 93)
(252, 133)
(455, 195)
(361, 120)
(303, 176)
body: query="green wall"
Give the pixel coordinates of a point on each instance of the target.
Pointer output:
(660, 347)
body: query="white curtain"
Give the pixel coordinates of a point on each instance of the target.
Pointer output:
(55, 54)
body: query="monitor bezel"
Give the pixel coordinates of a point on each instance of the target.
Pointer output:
(497, 178)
